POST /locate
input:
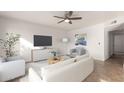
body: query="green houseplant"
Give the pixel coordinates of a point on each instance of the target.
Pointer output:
(8, 44)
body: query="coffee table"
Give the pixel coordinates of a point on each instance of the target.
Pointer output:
(53, 60)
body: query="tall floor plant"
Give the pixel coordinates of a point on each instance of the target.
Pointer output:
(8, 44)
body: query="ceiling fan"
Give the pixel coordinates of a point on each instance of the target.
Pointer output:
(67, 17)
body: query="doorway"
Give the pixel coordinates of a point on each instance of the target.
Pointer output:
(119, 44)
(116, 43)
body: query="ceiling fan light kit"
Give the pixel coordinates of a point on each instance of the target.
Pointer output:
(67, 17)
(67, 20)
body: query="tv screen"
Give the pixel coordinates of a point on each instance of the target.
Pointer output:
(42, 40)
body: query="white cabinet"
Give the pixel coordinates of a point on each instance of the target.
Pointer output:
(40, 54)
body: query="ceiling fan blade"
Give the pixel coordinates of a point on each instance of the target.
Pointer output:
(59, 17)
(75, 18)
(61, 21)
(70, 22)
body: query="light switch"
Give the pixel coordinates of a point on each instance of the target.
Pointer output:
(99, 43)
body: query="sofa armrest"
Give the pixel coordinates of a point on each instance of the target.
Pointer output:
(12, 69)
(33, 76)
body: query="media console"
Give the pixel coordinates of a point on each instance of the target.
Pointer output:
(40, 54)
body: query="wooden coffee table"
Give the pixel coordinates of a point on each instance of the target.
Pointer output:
(54, 60)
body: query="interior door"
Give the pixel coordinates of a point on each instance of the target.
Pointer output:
(119, 44)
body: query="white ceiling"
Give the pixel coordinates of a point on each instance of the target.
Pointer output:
(46, 18)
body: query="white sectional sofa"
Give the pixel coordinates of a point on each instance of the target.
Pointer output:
(70, 70)
(12, 69)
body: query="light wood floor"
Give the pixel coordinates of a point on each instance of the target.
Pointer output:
(108, 71)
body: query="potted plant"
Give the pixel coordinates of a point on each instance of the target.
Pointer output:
(54, 55)
(8, 44)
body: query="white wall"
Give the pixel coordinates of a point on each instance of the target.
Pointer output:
(96, 34)
(27, 30)
(111, 27)
(95, 40)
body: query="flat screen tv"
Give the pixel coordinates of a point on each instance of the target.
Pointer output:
(42, 40)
